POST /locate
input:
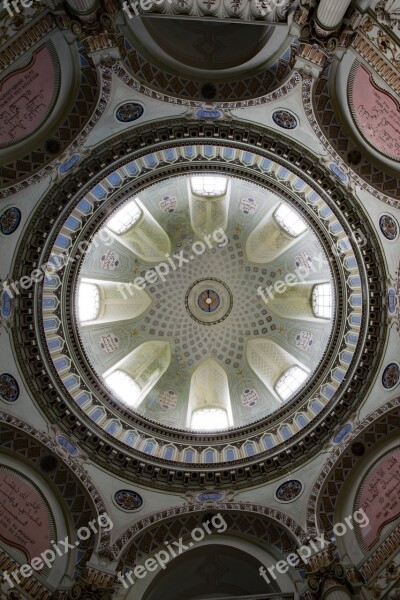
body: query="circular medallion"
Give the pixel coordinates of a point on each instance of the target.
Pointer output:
(391, 376)
(209, 301)
(128, 499)
(9, 220)
(389, 227)
(284, 119)
(289, 490)
(9, 388)
(131, 111)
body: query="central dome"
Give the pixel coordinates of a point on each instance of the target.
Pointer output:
(209, 301)
(205, 303)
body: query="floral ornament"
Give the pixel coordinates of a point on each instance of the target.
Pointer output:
(128, 499)
(10, 220)
(391, 376)
(128, 112)
(289, 490)
(284, 119)
(9, 389)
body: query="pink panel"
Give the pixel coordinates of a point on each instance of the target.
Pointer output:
(24, 517)
(376, 113)
(380, 496)
(26, 97)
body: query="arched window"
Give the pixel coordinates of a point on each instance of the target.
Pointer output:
(322, 301)
(290, 221)
(290, 382)
(124, 387)
(209, 419)
(125, 218)
(208, 185)
(88, 302)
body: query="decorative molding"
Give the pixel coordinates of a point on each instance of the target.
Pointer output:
(106, 449)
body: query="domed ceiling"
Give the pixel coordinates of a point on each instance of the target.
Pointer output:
(177, 308)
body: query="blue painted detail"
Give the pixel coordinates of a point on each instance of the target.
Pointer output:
(55, 344)
(65, 443)
(150, 160)
(203, 113)
(82, 399)
(84, 206)
(392, 301)
(99, 192)
(62, 241)
(115, 179)
(342, 433)
(72, 223)
(189, 151)
(5, 305)
(338, 173)
(132, 168)
(71, 382)
(210, 497)
(328, 391)
(69, 164)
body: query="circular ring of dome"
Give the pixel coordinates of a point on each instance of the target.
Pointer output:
(49, 388)
(209, 301)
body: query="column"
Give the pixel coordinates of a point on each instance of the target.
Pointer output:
(330, 14)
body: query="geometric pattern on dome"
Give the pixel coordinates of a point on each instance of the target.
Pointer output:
(174, 376)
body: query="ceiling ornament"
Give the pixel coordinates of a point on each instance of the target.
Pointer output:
(389, 227)
(128, 500)
(289, 491)
(10, 220)
(388, 12)
(391, 376)
(9, 388)
(129, 112)
(177, 159)
(284, 119)
(245, 10)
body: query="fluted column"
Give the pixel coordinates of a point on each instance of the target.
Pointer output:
(334, 590)
(330, 14)
(84, 9)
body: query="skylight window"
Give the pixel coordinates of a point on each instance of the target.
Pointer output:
(124, 387)
(209, 419)
(88, 302)
(209, 185)
(290, 382)
(322, 301)
(290, 221)
(125, 218)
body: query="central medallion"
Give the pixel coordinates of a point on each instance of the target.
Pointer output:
(209, 301)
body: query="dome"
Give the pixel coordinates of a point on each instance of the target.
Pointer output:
(204, 296)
